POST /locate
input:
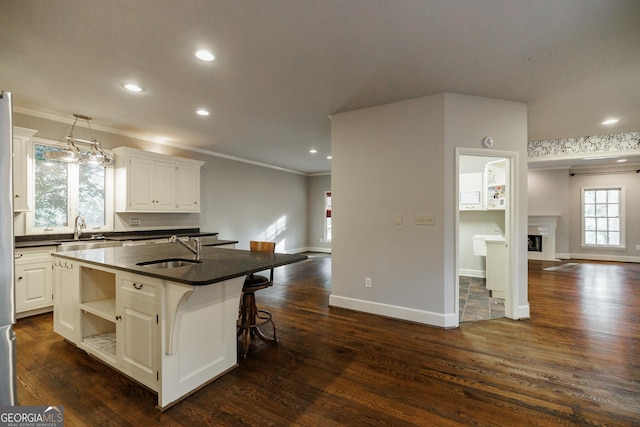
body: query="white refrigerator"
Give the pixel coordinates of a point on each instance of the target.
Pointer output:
(7, 296)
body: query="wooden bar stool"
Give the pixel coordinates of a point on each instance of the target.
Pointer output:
(251, 318)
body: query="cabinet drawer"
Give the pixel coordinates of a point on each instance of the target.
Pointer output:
(138, 289)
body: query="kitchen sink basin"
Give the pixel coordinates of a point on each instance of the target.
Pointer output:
(79, 245)
(169, 263)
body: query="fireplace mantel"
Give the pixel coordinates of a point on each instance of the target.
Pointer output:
(545, 226)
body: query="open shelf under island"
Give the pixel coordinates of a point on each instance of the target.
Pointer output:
(171, 329)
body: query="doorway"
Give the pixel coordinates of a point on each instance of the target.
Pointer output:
(484, 208)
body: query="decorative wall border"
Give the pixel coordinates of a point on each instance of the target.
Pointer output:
(571, 147)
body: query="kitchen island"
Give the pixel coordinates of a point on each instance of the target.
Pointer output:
(154, 313)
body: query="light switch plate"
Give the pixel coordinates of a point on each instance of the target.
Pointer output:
(425, 220)
(134, 221)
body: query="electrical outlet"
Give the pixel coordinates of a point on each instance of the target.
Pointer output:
(367, 282)
(134, 221)
(637, 247)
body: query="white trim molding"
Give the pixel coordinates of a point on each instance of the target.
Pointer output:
(395, 312)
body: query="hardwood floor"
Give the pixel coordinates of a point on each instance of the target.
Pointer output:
(575, 362)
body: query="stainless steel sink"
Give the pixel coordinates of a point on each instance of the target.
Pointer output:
(169, 263)
(79, 245)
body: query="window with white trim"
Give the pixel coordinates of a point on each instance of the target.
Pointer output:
(327, 216)
(62, 191)
(603, 217)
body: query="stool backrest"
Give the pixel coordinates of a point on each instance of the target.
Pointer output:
(257, 246)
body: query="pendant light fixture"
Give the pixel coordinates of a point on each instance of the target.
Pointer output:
(73, 154)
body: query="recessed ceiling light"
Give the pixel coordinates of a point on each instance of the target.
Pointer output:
(329, 157)
(313, 151)
(202, 112)
(205, 55)
(132, 87)
(621, 160)
(610, 122)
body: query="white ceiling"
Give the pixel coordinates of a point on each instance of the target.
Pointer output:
(283, 66)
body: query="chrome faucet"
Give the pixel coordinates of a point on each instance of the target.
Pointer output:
(196, 250)
(79, 226)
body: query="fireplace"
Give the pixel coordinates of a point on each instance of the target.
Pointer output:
(534, 243)
(542, 237)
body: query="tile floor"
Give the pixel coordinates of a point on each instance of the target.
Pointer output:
(475, 301)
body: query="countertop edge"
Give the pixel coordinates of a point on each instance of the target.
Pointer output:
(291, 258)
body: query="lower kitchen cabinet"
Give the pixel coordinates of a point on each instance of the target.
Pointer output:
(116, 324)
(66, 298)
(137, 331)
(33, 282)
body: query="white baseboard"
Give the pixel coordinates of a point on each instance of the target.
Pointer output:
(395, 312)
(601, 257)
(522, 312)
(472, 273)
(318, 249)
(307, 249)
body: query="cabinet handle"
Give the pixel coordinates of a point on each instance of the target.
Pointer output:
(137, 286)
(19, 277)
(118, 317)
(17, 195)
(18, 256)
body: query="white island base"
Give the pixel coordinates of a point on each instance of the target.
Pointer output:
(200, 343)
(171, 337)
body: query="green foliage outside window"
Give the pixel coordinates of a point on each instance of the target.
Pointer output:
(53, 190)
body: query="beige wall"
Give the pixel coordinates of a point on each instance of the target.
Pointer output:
(241, 201)
(399, 160)
(556, 192)
(548, 195)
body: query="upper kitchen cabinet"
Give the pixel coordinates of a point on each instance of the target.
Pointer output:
(496, 175)
(150, 182)
(21, 137)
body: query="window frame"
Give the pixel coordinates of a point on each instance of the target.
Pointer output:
(326, 215)
(622, 216)
(72, 203)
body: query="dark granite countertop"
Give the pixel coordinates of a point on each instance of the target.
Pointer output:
(219, 242)
(218, 264)
(34, 241)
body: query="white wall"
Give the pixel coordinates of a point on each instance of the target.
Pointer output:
(631, 184)
(399, 159)
(556, 192)
(241, 201)
(548, 193)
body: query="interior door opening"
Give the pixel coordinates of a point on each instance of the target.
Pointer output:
(484, 221)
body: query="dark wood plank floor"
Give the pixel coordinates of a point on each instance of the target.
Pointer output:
(575, 362)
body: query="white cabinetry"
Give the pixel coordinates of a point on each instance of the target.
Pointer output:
(21, 137)
(33, 281)
(496, 175)
(471, 191)
(497, 267)
(66, 298)
(149, 182)
(113, 317)
(137, 331)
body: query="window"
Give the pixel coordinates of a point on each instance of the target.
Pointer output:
(602, 217)
(327, 216)
(62, 191)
